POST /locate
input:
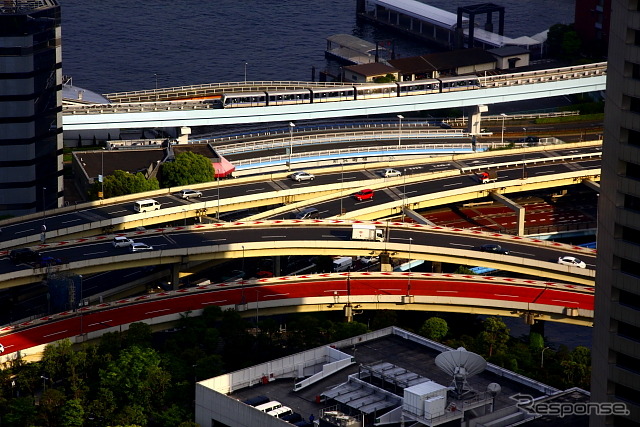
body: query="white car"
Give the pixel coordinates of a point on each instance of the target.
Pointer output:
(189, 194)
(121, 242)
(302, 176)
(368, 260)
(573, 261)
(389, 173)
(139, 247)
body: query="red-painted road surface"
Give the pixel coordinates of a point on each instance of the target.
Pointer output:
(64, 325)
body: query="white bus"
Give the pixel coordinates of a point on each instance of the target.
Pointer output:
(146, 205)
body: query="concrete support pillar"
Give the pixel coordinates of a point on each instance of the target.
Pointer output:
(175, 276)
(475, 117)
(519, 210)
(185, 131)
(276, 266)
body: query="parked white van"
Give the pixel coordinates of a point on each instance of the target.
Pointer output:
(342, 264)
(269, 406)
(146, 205)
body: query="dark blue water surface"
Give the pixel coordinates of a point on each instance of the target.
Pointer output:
(121, 45)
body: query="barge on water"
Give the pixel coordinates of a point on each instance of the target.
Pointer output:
(446, 29)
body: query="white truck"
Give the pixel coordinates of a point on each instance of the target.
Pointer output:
(342, 263)
(367, 232)
(488, 176)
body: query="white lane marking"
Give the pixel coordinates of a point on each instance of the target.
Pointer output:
(157, 311)
(213, 302)
(507, 295)
(328, 235)
(389, 289)
(271, 237)
(72, 220)
(55, 333)
(451, 185)
(448, 292)
(521, 253)
(461, 244)
(96, 253)
(102, 323)
(215, 240)
(564, 301)
(254, 189)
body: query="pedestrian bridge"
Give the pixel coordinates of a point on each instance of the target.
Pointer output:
(493, 89)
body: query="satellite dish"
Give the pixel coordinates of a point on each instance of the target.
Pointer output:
(494, 389)
(461, 364)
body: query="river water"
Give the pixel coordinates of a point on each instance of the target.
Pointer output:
(121, 45)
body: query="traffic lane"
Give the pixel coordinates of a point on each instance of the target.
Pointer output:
(148, 307)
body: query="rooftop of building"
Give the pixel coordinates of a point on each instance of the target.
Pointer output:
(372, 69)
(442, 61)
(391, 361)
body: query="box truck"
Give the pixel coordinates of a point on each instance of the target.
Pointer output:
(488, 176)
(367, 232)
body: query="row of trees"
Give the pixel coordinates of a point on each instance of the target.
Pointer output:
(144, 379)
(187, 168)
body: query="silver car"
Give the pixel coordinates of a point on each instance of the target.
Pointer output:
(302, 176)
(139, 247)
(389, 173)
(189, 194)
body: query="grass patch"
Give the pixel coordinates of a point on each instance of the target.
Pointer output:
(569, 119)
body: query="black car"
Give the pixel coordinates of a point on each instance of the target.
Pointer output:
(24, 255)
(496, 249)
(308, 213)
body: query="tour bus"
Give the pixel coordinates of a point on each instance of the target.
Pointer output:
(146, 205)
(269, 406)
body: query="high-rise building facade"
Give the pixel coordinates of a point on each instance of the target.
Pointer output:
(616, 340)
(30, 106)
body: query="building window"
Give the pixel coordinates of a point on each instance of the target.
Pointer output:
(629, 363)
(631, 235)
(627, 394)
(630, 300)
(628, 331)
(636, 38)
(631, 202)
(633, 137)
(635, 71)
(632, 170)
(631, 268)
(634, 104)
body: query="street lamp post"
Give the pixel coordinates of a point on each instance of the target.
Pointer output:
(43, 236)
(291, 126)
(341, 183)
(245, 71)
(502, 133)
(542, 357)
(409, 283)
(102, 171)
(400, 117)
(156, 76)
(44, 383)
(218, 187)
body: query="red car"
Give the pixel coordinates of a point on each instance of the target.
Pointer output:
(364, 195)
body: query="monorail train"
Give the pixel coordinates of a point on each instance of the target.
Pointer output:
(348, 93)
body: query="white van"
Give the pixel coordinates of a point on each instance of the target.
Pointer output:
(146, 205)
(342, 264)
(282, 411)
(269, 406)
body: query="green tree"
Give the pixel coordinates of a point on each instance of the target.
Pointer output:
(434, 328)
(136, 377)
(536, 341)
(21, 411)
(72, 414)
(139, 334)
(463, 269)
(187, 168)
(344, 330)
(571, 44)
(50, 402)
(389, 78)
(121, 183)
(495, 335)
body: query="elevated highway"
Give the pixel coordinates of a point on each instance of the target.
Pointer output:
(183, 245)
(494, 89)
(435, 182)
(353, 292)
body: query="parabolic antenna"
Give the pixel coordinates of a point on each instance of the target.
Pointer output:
(461, 364)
